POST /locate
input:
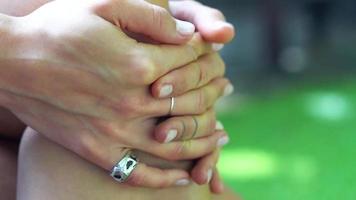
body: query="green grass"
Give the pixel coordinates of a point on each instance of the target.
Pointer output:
(295, 144)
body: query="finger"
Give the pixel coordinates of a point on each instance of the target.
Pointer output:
(202, 172)
(194, 102)
(142, 175)
(210, 22)
(192, 149)
(216, 184)
(186, 127)
(150, 20)
(165, 58)
(145, 176)
(191, 76)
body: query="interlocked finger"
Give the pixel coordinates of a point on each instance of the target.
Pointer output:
(184, 150)
(189, 77)
(195, 102)
(186, 127)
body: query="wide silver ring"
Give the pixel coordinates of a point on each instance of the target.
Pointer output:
(172, 106)
(123, 169)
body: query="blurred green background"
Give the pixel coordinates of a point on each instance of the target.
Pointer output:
(292, 119)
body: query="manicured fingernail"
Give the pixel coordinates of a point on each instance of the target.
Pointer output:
(229, 89)
(209, 175)
(217, 46)
(221, 24)
(219, 126)
(223, 141)
(182, 182)
(165, 91)
(171, 135)
(185, 28)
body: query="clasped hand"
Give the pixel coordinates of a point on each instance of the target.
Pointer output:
(82, 82)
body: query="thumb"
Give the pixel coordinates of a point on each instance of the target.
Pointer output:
(148, 19)
(210, 22)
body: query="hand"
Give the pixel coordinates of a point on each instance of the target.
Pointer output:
(89, 87)
(212, 26)
(209, 22)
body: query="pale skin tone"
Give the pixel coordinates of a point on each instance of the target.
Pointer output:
(77, 179)
(187, 155)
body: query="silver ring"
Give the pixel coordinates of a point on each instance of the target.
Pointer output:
(123, 169)
(172, 106)
(196, 127)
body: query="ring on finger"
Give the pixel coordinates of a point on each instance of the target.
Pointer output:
(171, 108)
(124, 167)
(195, 128)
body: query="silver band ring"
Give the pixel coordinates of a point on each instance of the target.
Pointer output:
(123, 169)
(196, 127)
(172, 106)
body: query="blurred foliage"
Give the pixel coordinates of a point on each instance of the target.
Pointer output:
(295, 144)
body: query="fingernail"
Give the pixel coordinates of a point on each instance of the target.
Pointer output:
(229, 89)
(182, 182)
(219, 126)
(209, 175)
(185, 28)
(221, 24)
(171, 135)
(165, 91)
(223, 141)
(217, 46)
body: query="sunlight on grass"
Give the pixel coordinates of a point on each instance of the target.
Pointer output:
(328, 106)
(293, 144)
(302, 169)
(247, 164)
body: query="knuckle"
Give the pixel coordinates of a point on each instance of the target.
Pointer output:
(143, 71)
(160, 16)
(130, 107)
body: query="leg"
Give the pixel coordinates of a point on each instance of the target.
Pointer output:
(48, 171)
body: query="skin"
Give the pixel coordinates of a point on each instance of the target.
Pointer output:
(203, 121)
(74, 178)
(118, 112)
